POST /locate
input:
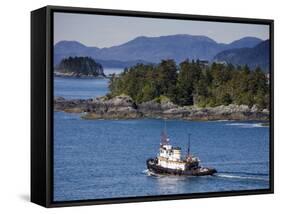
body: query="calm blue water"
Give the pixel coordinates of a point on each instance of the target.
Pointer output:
(79, 88)
(106, 158)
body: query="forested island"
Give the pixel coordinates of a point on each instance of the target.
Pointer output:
(193, 83)
(191, 91)
(79, 67)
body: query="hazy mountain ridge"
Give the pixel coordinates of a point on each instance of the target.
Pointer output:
(245, 42)
(258, 56)
(151, 49)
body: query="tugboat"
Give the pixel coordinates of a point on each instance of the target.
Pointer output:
(169, 161)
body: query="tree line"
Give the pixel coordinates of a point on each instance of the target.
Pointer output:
(80, 65)
(193, 83)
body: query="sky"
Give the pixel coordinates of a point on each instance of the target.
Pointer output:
(106, 31)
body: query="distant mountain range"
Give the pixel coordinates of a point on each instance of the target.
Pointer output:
(258, 56)
(153, 49)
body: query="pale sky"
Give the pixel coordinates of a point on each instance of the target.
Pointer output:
(106, 31)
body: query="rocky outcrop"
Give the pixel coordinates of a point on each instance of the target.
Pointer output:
(119, 107)
(123, 107)
(58, 73)
(71, 106)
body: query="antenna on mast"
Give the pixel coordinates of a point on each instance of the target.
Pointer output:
(188, 146)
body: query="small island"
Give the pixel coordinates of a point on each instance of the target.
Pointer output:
(82, 67)
(191, 91)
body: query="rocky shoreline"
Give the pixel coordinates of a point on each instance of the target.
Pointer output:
(123, 107)
(78, 75)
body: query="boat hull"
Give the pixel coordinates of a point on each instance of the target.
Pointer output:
(153, 167)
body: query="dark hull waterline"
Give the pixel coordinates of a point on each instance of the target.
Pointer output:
(153, 167)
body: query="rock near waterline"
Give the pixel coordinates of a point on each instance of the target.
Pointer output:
(123, 107)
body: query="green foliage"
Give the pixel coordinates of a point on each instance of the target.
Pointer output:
(192, 83)
(188, 83)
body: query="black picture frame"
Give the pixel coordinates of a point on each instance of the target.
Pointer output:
(42, 105)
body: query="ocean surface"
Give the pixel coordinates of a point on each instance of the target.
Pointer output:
(80, 88)
(83, 88)
(96, 159)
